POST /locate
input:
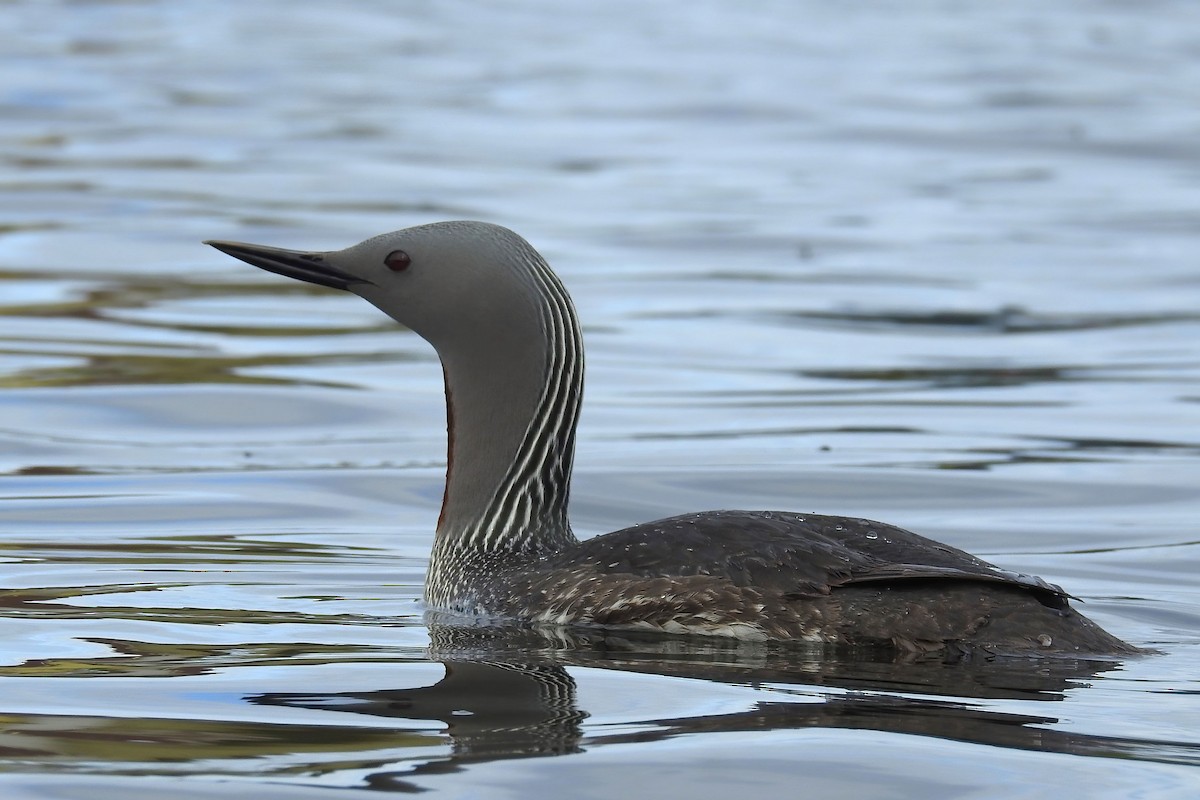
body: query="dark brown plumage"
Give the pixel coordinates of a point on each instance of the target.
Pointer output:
(761, 575)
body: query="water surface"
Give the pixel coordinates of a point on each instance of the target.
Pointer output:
(933, 264)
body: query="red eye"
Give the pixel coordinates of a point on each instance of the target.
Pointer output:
(397, 261)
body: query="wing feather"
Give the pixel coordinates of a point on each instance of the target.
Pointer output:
(800, 555)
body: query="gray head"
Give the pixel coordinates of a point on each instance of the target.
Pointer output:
(457, 284)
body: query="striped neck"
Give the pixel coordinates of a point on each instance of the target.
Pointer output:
(512, 405)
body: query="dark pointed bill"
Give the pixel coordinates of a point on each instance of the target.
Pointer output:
(308, 267)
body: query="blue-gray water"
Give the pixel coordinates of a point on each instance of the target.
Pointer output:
(933, 263)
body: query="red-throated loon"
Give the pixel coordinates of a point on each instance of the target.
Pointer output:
(512, 354)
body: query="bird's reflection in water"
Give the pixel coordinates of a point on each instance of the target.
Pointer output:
(507, 694)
